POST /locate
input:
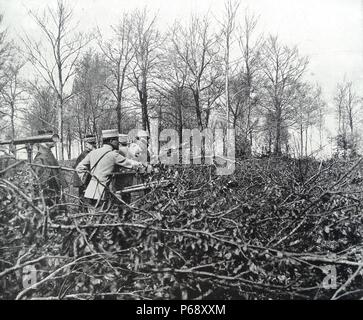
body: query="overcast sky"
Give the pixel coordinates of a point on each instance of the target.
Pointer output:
(330, 32)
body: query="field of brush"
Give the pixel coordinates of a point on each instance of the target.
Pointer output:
(278, 228)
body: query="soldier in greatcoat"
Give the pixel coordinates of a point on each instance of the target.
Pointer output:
(102, 163)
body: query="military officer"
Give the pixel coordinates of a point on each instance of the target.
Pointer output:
(124, 146)
(51, 180)
(102, 163)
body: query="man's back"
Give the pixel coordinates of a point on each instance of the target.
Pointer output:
(102, 163)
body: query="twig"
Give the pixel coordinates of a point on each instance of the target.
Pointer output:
(12, 166)
(23, 195)
(50, 276)
(347, 283)
(30, 262)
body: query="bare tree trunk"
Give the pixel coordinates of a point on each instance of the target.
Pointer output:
(60, 78)
(270, 142)
(180, 116)
(228, 28)
(306, 142)
(69, 143)
(197, 108)
(60, 129)
(301, 140)
(248, 126)
(12, 119)
(277, 147)
(227, 80)
(251, 142)
(144, 108)
(119, 115)
(12, 116)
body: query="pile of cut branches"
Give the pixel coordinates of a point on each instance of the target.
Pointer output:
(277, 228)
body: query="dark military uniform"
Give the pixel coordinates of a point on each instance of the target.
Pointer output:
(76, 180)
(51, 180)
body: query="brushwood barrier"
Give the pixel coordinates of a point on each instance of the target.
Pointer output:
(278, 228)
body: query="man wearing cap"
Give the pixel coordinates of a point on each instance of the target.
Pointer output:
(124, 178)
(139, 148)
(102, 163)
(89, 145)
(124, 148)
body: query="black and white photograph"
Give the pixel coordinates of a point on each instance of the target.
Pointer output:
(198, 150)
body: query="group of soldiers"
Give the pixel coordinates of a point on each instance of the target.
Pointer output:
(94, 167)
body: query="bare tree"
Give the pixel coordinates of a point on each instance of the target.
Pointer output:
(195, 46)
(90, 108)
(6, 52)
(41, 112)
(146, 43)
(246, 83)
(55, 61)
(308, 105)
(339, 99)
(351, 106)
(12, 92)
(283, 68)
(268, 133)
(118, 53)
(7, 62)
(175, 100)
(228, 27)
(5, 48)
(347, 108)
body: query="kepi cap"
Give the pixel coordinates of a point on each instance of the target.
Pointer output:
(108, 134)
(123, 138)
(142, 134)
(90, 139)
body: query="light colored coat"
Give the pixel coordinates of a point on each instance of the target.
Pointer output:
(141, 152)
(134, 151)
(103, 170)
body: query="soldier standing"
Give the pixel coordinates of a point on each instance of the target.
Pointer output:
(51, 180)
(102, 162)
